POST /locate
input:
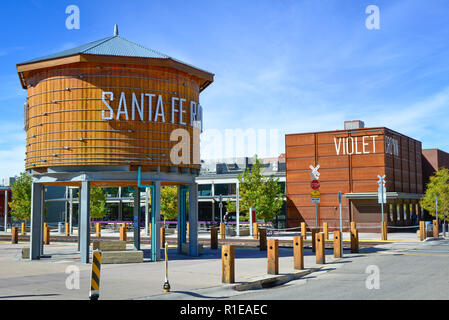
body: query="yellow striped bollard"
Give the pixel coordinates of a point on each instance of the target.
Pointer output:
(94, 293)
(166, 286)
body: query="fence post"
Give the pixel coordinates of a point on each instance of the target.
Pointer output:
(353, 225)
(304, 230)
(354, 241)
(213, 238)
(67, 229)
(326, 230)
(422, 230)
(337, 245)
(298, 252)
(255, 230)
(314, 232)
(223, 230)
(98, 229)
(46, 233)
(436, 232)
(14, 235)
(384, 230)
(273, 256)
(227, 264)
(262, 239)
(320, 248)
(162, 237)
(123, 233)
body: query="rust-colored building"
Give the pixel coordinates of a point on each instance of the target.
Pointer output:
(432, 160)
(350, 161)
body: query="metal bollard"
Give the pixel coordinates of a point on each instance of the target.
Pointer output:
(24, 229)
(94, 293)
(46, 233)
(320, 248)
(187, 232)
(223, 230)
(436, 232)
(255, 230)
(304, 230)
(354, 241)
(273, 256)
(14, 235)
(227, 264)
(166, 286)
(67, 229)
(338, 252)
(149, 230)
(98, 229)
(422, 230)
(162, 230)
(314, 232)
(262, 239)
(214, 238)
(384, 230)
(298, 252)
(326, 230)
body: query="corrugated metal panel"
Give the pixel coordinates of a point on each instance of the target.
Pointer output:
(114, 46)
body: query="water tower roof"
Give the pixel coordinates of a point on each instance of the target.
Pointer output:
(113, 46)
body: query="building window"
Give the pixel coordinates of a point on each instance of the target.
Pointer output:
(225, 189)
(204, 190)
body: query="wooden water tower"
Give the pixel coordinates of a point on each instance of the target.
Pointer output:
(112, 113)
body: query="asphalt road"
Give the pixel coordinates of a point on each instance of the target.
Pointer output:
(405, 271)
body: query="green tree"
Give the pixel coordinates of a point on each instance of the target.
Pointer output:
(259, 192)
(21, 197)
(438, 185)
(97, 203)
(169, 202)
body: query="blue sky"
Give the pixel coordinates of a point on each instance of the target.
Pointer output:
(295, 66)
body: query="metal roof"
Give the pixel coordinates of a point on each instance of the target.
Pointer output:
(110, 46)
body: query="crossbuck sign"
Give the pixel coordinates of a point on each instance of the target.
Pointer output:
(315, 174)
(382, 191)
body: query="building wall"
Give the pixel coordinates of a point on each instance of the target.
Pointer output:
(432, 160)
(350, 161)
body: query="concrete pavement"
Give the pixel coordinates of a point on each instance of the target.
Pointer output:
(189, 277)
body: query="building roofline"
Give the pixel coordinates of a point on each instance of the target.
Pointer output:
(353, 130)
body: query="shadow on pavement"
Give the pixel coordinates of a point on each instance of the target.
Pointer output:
(197, 295)
(30, 295)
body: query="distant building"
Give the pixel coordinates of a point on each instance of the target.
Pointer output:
(350, 161)
(220, 178)
(432, 161)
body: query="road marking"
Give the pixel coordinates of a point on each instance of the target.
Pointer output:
(415, 254)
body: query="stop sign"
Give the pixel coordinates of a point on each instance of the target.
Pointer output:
(315, 184)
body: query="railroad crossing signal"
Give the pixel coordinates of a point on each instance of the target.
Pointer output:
(315, 174)
(382, 191)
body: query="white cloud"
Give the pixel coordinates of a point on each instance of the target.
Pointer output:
(12, 161)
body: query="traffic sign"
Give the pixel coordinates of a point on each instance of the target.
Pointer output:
(315, 184)
(315, 200)
(382, 191)
(315, 174)
(315, 193)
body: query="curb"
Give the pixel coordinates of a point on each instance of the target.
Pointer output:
(274, 281)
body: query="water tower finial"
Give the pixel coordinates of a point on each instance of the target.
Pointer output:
(115, 30)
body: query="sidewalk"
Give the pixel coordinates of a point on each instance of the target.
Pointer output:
(46, 278)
